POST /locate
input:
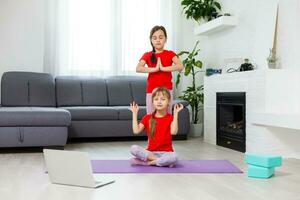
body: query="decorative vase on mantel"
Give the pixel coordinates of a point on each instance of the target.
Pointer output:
(272, 59)
(272, 65)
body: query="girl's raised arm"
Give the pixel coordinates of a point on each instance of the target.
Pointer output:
(174, 124)
(136, 127)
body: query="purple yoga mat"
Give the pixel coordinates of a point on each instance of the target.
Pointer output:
(182, 166)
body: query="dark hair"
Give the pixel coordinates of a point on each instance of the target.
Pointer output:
(152, 121)
(153, 30)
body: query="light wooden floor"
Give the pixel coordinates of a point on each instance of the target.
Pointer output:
(22, 177)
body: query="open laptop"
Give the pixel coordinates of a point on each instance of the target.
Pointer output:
(71, 168)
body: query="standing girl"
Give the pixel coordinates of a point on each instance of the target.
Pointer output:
(160, 126)
(160, 64)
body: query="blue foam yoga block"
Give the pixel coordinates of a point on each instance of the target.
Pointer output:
(260, 172)
(263, 160)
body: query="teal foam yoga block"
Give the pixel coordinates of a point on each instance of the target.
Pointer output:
(263, 160)
(260, 172)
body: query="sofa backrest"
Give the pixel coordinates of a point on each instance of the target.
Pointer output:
(124, 89)
(40, 89)
(138, 89)
(89, 91)
(27, 89)
(81, 91)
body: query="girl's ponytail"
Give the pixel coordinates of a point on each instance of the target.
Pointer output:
(153, 57)
(152, 123)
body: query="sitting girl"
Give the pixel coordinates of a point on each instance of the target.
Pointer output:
(160, 126)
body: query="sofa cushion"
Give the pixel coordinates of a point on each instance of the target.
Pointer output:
(27, 89)
(119, 91)
(126, 114)
(34, 116)
(138, 89)
(92, 112)
(81, 91)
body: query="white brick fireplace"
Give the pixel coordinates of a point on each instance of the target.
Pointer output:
(272, 109)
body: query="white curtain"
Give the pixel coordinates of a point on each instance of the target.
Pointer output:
(104, 37)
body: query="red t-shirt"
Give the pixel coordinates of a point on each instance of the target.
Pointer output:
(159, 79)
(162, 140)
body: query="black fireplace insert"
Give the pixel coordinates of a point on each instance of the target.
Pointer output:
(231, 120)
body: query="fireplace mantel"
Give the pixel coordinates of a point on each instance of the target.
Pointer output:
(289, 121)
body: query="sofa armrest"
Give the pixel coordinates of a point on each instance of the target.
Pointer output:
(183, 102)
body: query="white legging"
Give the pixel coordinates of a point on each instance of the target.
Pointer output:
(164, 158)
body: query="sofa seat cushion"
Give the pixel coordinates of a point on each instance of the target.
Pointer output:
(92, 112)
(125, 113)
(34, 116)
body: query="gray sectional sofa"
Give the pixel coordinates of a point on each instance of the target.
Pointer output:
(39, 110)
(28, 113)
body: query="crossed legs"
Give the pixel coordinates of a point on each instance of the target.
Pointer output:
(158, 158)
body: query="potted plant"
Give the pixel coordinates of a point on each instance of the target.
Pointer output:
(194, 93)
(272, 59)
(200, 9)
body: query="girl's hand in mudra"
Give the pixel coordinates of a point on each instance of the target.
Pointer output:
(177, 108)
(134, 107)
(158, 65)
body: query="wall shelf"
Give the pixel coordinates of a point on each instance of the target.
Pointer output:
(290, 121)
(216, 25)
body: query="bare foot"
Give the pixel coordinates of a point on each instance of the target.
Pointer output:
(151, 157)
(152, 162)
(136, 161)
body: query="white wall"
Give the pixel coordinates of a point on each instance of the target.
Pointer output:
(229, 47)
(241, 41)
(186, 43)
(245, 40)
(236, 42)
(21, 35)
(288, 40)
